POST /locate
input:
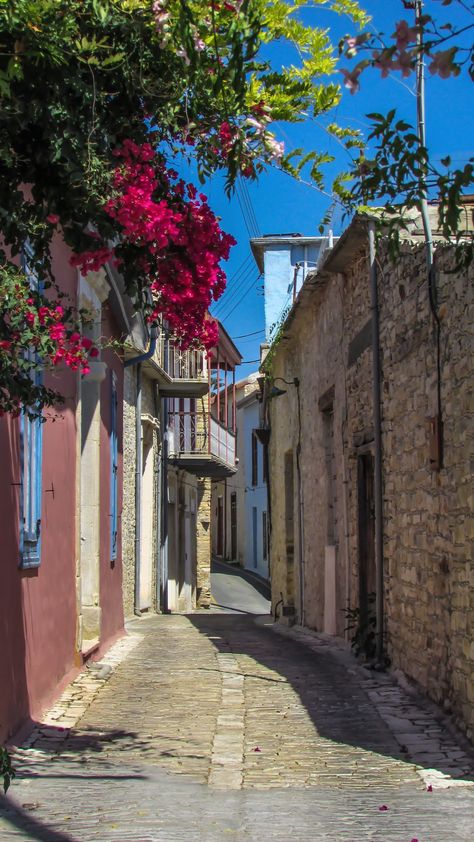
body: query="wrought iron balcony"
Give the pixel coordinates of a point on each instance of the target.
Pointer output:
(181, 374)
(200, 444)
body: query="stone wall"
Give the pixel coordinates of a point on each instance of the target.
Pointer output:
(335, 405)
(428, 514)
(203, 552)
(429, 521)
(128, 511)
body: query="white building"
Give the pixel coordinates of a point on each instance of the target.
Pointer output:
(239, 503)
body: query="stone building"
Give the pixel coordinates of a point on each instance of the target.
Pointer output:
(363, 506)
(201, 446)
(160, 500)
(174, 442)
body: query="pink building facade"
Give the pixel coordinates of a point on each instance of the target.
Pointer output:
(60, 504)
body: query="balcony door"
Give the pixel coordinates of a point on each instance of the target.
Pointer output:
(220, 526)
(233, 526)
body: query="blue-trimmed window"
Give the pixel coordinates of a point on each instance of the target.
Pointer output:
(31, 463)
(113, 467)
(31, 434)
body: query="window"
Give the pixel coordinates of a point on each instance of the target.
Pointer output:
(265, 463)
(31, 440)
(254, 458)
(113, 468)
(254, 536)
(31, 434)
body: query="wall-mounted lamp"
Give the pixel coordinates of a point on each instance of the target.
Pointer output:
(276, 392)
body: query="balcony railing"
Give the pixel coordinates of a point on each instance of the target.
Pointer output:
(181, 365)
(198, 434)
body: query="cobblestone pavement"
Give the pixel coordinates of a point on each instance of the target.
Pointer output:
(212, 726)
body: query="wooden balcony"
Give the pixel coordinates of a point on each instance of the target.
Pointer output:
(200, 444)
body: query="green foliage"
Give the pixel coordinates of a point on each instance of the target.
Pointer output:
(363, 628)
(395, 178)
(6, 770)
(78, 77)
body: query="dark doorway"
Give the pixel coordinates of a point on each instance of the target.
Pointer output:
(366, 533)
(233, 526)
(220, 526)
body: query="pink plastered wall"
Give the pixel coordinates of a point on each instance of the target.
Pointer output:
(38, 608)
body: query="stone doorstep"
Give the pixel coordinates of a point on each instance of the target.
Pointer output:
(392, 699)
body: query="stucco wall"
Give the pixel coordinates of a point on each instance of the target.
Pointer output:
(183, 568)
(253, 496)
(129, 468)
(38, 606)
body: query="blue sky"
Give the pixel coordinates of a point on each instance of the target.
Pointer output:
(278, 204)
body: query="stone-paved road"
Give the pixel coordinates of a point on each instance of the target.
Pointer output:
(211, 727)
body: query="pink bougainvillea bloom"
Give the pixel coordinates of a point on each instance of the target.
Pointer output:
(384, 61)
(429, 788)
(257, 748)
(404, 34)
(383, 808)
(443, 63)
(404, 63)
(351, 80)
(53, 218)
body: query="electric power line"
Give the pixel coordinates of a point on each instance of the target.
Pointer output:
(234, 284)
(244, 335)
(235, 290)
(242, 185)
(244, 287)
(239, 302)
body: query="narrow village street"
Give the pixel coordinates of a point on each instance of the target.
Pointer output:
(213, 726)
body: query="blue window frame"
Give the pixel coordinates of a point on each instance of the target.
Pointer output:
(31, 435)
(113, 467)
(31, 446)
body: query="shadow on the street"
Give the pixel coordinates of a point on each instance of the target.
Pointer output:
(24, 821)
(230, 608)
(53, 743)
(339, 708)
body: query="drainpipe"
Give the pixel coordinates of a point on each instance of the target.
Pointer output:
(377, 421)
(138, 459)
